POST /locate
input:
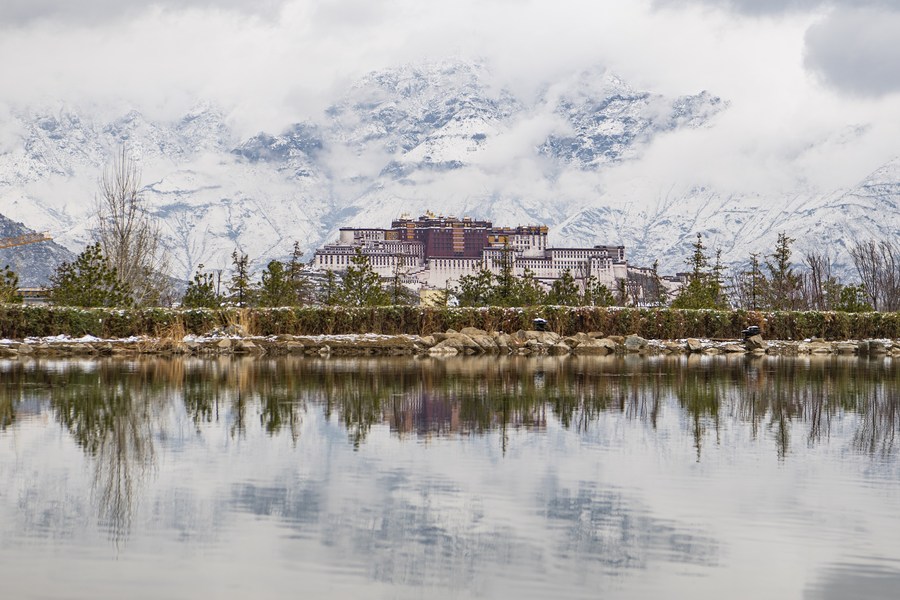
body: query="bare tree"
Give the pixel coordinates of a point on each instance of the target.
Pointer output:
(819, 288)
(878, 266)
(129, 236)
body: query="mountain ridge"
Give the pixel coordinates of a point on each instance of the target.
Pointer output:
(434, 136)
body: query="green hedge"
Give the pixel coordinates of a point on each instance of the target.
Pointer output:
(20, 321)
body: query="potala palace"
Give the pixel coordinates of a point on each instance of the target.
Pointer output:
(433, 252)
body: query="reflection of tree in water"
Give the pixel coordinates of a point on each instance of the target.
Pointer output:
(473, 396)
(9, 397)
(444, 397)
(111, 412)
(230, 387)
(879, 421)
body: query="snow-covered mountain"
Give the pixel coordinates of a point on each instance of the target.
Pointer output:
(439, 136)
(34, 263)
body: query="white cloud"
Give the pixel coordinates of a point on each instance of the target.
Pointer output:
(286, 61)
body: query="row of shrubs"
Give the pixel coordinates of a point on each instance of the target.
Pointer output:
(18, 321)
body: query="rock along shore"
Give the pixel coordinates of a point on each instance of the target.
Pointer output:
(468, 341)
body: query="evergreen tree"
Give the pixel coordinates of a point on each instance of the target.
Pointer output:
(784, 283)
(475, 289)
(504, 292)
(362, 285)
(657, 294)
(9, 286)
(330, 292)
(89, 281)
(201, 292)
(239, 286)
(749, 286)
(529, 291)
(399, 293)
(597, 294)
(564, 291)
(853, 298)
(276, 287)
(300, 285)
(704, 286)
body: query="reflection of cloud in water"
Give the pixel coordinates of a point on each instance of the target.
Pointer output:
(296, 505)
(410, 529)
(872, 581)
(607, 527)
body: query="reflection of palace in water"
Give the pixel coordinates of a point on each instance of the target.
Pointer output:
(112, 408)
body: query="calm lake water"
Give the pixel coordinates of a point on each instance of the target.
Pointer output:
(707, 477)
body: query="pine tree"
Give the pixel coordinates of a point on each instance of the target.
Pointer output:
(704, 286)
(597, 294)
(529, 291)
(476, 289)
(330, 293)
(89, 281)
(564, 291)
(276, 287)
(9, 286)
(784, 283)
(505, 289)
(657, 294)
(853, 298)
(362, 285)
(399, 293)
(201, 292)
(300, 285)
(748, 286)
(239, 287)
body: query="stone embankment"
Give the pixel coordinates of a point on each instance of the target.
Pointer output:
(468, 341)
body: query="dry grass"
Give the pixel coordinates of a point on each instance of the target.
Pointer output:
(242, 318)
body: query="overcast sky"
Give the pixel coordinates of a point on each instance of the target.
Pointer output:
(813, 84)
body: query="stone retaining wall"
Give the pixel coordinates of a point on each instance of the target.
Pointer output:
(468, 341)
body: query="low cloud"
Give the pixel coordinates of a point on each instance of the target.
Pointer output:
(856, 51)
(773, 7)
(21, 12)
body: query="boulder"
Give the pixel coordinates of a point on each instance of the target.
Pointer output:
(487, 343)
(694, 345)
(224, 344)
(573, 340)
(755, 342)
(873, 348)
(247, 347)
(635, 343)
(473, 331)
(558, 349)
(502, 341)
(547, 338)
(819, 347)
(846, 348)
(595, 347)
(460, 343)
